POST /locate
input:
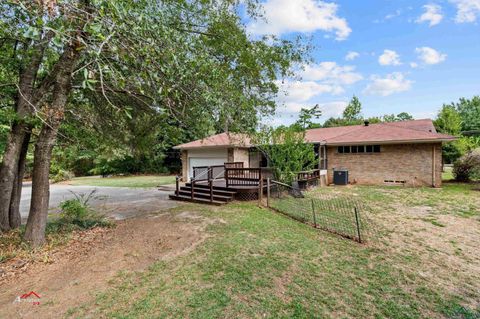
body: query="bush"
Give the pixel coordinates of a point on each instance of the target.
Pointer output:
(77, 212)
(467, 168)
(62, 175)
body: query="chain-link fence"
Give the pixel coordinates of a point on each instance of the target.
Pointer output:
(345, 216)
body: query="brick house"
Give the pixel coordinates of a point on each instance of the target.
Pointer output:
(407, 153)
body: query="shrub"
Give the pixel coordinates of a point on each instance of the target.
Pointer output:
(77, 212)
(62, 175)
(467, 168)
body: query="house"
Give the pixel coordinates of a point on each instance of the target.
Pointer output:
(407, 153)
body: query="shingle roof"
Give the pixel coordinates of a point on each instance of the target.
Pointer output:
(222, 139)
(381, 133)
(395, 132)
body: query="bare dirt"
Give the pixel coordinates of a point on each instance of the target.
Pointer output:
(72, 274)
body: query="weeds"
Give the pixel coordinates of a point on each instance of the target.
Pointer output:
(76, 215)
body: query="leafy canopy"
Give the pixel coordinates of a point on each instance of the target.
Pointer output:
(286, 151)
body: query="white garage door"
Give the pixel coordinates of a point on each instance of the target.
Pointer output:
(204, 161)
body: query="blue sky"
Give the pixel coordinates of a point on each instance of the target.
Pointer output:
(405, 55)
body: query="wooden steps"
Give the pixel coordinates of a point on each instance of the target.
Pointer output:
(220, 195)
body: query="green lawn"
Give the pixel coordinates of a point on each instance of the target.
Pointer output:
(447, 174)
(124, 181)
(260, 264)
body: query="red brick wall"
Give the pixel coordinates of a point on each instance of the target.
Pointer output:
(412, 163)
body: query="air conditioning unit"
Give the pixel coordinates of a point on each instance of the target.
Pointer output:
(340, 177)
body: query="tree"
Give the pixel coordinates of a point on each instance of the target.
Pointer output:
(469, 111)
(404, 116)
(353, 110)
(191, 61)
(286, 151)
(306, 116)
(448, 120)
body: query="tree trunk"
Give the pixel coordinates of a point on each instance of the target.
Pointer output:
(14, 213)
(9, 167)
(8, 172)
(37, 218)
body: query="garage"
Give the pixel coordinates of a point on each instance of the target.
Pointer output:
(209, 157)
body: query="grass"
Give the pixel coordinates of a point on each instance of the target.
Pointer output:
(259, 264)
(447, 174)
(144, 181)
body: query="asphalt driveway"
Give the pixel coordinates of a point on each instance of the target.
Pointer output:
(117, 202)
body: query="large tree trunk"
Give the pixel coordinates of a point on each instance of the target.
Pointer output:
(37, 218)
(9, 167)
(8, 172)
(14, 213)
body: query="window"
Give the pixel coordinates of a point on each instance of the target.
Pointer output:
(356, 149)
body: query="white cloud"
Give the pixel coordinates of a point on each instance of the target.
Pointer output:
(287, 115)
(333, 109)
(331, 73)
(352, 55)
(413, 65)
(389, 16)
(295, 94)
(467, 10)
(392, 83)
(430, 56)
(432, 14)
(389, 57)
(283, 16)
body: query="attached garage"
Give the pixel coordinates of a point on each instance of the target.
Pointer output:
(205, 157)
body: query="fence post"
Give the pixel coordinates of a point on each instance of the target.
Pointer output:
(268, 192)
(314, 215)
(358, 225)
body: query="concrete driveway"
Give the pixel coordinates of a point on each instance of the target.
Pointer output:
(117, 202)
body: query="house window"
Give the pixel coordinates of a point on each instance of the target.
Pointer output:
(358, 149)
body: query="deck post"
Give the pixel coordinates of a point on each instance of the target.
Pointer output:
(192, 182)
(260, 187)
(268, 192)
(176, 185)
(210, 182)
(314, 215)
(226, 176)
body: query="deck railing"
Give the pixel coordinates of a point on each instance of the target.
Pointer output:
(246, 176)
(205, 173)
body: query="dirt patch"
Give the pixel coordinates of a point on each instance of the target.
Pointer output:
(85, 266)
(445, 245)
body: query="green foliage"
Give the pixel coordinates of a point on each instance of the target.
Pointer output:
(467, 168)
(306, 116)
(286, 151)
(403, 116)
(456, 119)
(353, 110)
(77, 213)
(469, 111)
(352, 115)
(151, 75)
(448, 120)
(61, 175)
